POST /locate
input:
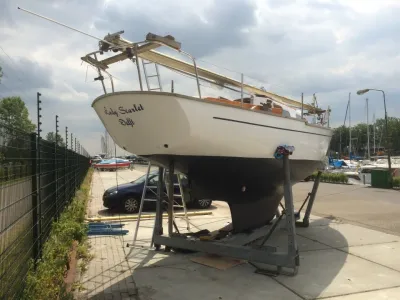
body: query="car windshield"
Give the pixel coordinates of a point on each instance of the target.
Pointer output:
(153, 178)
(142, 178)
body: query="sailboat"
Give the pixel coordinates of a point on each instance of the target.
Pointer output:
(225, 146)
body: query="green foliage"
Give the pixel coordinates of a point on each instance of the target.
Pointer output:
(331, 177)
(359, 132)
(51, 137)
(47, 282)
(396, 182)
(13, 113)
(12, 172)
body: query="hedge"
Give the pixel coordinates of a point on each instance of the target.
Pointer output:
(47, 282)
(331, 177)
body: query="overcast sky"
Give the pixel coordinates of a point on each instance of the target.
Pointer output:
(325, 47)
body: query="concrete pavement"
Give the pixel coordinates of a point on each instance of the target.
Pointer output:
(338, 261)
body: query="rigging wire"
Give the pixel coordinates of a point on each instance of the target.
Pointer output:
(113, 45)
(87, 68)
(234, 71)
(211, 85)
(8, 56)
(9, 91)
(17, 90)
(6, 75)
(66, 26)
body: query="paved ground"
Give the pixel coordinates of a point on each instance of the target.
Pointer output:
(363, 205)
(338, 260)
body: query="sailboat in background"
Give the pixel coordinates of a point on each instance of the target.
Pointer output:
(375, 161)
(345, 164)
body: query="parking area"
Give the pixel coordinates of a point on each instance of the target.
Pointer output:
(338, 259)
(357, 204)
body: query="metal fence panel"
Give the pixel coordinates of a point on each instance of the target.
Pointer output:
(37, 180)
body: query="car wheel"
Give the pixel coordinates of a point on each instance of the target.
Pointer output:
(131, 205)
(203, 203)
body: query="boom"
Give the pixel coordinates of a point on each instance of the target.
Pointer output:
(146, 51)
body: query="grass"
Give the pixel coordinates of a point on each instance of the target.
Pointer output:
(84, 255)
(47, 282)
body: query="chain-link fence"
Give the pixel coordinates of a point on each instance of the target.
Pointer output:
(37, 180)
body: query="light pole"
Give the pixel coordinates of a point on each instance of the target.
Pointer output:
(361, 92)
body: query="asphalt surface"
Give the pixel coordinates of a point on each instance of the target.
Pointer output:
(358, 204)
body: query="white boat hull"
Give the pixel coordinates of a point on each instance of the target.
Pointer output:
(221, 148)
(170, 124)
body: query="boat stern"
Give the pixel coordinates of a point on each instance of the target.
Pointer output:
(142, 122)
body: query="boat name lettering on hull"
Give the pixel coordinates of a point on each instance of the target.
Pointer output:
(110, 112)
(126, 122)
(134, 108)
(123, 110)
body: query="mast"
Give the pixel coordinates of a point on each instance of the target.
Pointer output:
(369, 154)
(329, 114)
(314, 105)
(374, 133)
(344, 124)
(350, 126)
(145, 51)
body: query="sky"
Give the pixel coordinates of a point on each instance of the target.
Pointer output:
(327, 47)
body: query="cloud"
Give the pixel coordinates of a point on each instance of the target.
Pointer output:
(327, 47)
(24, 74)
(211, 26)
(318, 52)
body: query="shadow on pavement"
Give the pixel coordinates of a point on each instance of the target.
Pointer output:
(161, 275)
(119, 212)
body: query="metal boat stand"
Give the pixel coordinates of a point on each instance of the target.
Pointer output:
(310, 198)
(245, 246)
(147, 196)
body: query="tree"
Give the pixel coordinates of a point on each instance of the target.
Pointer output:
(14, 114)
(359, 137)
(51, 137)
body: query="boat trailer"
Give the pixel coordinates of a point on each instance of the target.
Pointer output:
(245, 246)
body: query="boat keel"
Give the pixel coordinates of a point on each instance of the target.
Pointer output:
(250, 245)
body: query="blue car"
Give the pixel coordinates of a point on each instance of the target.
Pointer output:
(127, 196)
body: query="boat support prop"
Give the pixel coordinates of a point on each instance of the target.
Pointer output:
(245, 246)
